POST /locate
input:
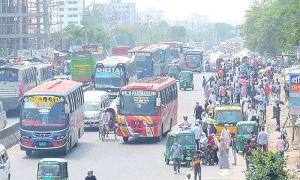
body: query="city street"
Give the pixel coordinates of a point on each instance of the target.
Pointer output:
(138, 159)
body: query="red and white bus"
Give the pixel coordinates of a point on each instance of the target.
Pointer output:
(147, 108)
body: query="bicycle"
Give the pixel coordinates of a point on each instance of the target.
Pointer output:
(102, 131)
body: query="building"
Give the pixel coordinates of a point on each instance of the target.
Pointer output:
(151, 15)
(118, 14)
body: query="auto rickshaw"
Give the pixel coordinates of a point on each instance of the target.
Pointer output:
(187, 141)
(52, 168)
(173, 71)
(244, 129)
(186, 80)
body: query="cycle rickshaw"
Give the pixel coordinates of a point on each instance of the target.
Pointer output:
(111, 126)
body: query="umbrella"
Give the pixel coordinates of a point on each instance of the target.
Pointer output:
(243, 81)
(279, 102)
(259, 98)
(209, 120)
(263, 70)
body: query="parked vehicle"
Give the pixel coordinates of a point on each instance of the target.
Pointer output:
(5, 172)
(52, 168)
(186, 80)
(187, 141)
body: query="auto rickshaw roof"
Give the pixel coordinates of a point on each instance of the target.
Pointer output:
(187, 72)
(241, 123)
(175, 133)
(223, 108)
(60, 160)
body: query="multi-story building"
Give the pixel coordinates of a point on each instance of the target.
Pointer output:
(118, 14)
(150, 15)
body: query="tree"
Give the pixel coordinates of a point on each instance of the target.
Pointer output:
(97, 35)
(73, 35)
(267, 166)
(177, 33)
(125, 36)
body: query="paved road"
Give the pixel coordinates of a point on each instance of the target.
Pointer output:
(139, 159)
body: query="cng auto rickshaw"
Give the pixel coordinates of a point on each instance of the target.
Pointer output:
(244, 129)
(52, 168)
(173, 71)
(187, 141)
(186, 80)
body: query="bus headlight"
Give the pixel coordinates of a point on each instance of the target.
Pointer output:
(25, 137)
(59, 137)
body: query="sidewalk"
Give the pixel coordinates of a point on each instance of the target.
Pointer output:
(293, 155)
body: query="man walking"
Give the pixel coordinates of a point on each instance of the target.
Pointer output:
(234, 147)
(275, 99)
(262, 139)
(197, 132)
(176, 156)
(197, 165)
(278, 109)
(198, 111)
(247, 151)
(203, 82)
(225, 134)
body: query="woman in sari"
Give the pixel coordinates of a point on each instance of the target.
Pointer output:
(216, 158)
(210, 150)
(223, 157)
(203, 147)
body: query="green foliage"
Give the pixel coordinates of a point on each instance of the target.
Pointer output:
(272, 26)
(125, 36)
(267, 166)
(97, 34)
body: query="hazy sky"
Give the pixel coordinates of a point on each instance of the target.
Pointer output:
(216, 10)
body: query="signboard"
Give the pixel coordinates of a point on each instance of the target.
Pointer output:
(294, 94)
(43, 101)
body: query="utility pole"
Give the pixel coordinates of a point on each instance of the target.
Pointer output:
(46, 24)
(84, 24)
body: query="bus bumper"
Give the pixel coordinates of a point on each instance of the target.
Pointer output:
(35, 147)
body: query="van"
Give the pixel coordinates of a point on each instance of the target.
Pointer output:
(94, 102)
(4, 164)
(3, 121)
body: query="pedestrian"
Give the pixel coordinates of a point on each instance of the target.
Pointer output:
(203, 147)
(197, 132)
(237, 95)
(213, 97)
(274, 103)
(278, 109)
(234, 148)
(225, 134)
(250, 112)
(210, 150)
(278, 91)
(197, 166)
(176, 156)
(223, 157)
(204, 127)
(210, 107)
(198, 111)
(280, 146)
(216, 158)
(188, 175)
(90, 176)
(205, 105)
(212, 129)
(203, 82)
(247, 151)
(262, 139)
(252, 137)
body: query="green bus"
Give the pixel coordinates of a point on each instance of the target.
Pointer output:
(82, 66)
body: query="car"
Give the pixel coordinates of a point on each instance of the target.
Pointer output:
(5, 172)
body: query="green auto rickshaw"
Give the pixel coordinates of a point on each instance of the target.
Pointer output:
(187, 141)
(186, 80)
(244, 129)
(173, 71)
(52, 168)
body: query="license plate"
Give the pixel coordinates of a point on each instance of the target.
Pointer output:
(42, 143)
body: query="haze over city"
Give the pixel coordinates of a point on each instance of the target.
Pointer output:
(215, 10)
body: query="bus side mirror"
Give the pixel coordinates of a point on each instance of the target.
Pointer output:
(117, 101)
(158, 102)
(67, 109)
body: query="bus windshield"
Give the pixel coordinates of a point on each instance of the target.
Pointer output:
(143, 63)
(138, 102)
(8, 74)
(107, 82)
(43, 111)
(48, 170)
(192, 58)
(228, 117)
(174, 52)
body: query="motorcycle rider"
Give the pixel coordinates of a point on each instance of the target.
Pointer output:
(90, 176)
(185, 122)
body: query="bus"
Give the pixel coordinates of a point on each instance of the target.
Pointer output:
(176, 52)
(147, 108)
(120, 51)
(165, 58)
(51, 117)
(194, 60)
(147, 61)
(113, 73)
(82, 67)
(44, 72)
(97, 52)
(15, 80)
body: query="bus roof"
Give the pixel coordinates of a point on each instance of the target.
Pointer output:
(17, 66)
(162, 46)
(114, 60)
(143, 49)
(150, 83)
(41, 65)
(194, 50)
(59, 87)
(178, 43)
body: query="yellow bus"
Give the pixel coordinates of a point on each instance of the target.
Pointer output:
(230, 115)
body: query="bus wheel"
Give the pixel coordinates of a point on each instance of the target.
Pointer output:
(65, 152)
(125, 139)
(171, 126)
(159, 138)
(28, 153)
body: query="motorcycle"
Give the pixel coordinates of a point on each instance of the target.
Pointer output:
(207, 67)
(283, 135)
(185, 127)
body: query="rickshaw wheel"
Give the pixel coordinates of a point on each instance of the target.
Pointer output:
(115, 131)
(125, 139)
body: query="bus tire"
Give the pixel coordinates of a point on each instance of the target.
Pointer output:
(28, 153)
(65, 152)
(125, 139)
(170, 126)
(159, 138)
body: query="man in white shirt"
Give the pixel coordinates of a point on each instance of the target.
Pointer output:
(197, 132)
(274, 104)
(250, 112)
(213, 97)
(105, 120)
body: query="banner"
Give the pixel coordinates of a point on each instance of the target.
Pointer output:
(294, 94)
